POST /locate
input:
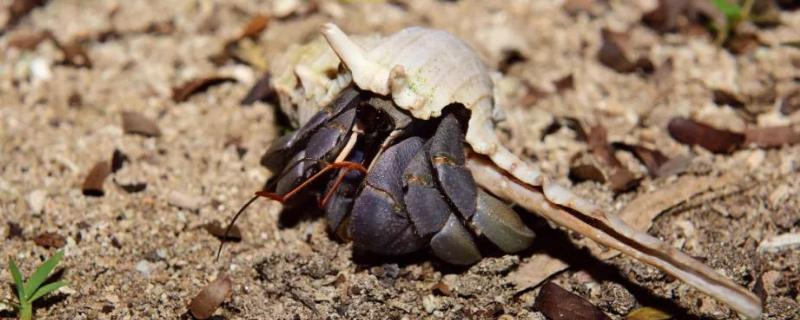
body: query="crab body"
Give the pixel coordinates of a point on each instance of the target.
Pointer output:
(417, 193)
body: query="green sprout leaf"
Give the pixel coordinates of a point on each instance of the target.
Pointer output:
(12, 266)
(732, 11)
(40, 275)
(47, 289)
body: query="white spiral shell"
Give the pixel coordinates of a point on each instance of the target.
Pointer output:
(425, 70)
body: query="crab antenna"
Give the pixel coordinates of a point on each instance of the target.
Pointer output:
(230, 225)
(348, 165)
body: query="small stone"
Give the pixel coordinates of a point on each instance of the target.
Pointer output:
(144, 267)
(36, 200)
(431, 303)
(40, 70)
(185, 201)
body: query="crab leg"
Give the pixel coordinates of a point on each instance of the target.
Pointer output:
(559, 205)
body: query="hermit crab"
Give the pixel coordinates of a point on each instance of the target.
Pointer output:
(401, 153)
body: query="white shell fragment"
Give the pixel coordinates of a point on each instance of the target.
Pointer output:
(425, 70)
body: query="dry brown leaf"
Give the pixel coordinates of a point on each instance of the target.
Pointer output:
(682, 15)
(216, 230)
(691, 132)
(648, 313)
(652, 159)
(137, 123)
(613, 54)
(19, 9)
(183, 92)
(576, 6)
(93, 184)
(49, 240)
(261, 91)
(619, 178)
(559, 304)
(442, 289)
(565, 83)
(586, 171)
(724, 97)
(211, 297)
(537, 269)
(28, 40)
(74, 54)
(772, 137)
(254, 27)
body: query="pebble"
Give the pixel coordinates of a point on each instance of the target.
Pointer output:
(144, 267)
(40, 70)
(36, 200)
(430, 303)
(185, 201)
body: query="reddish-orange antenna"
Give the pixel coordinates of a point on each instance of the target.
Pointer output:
(347, 165)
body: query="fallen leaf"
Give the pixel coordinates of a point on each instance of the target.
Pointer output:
(49, 240)
(254, 27)
(772, 137)
(683, 16)
(442, 289)
(741, 43)
(791, 103)
(652, 159)
(537, 269)
(137, 123)
(231, 49)
(586, 171)
(216, 230)
(93, 184)
(666, 17)
(28, 40)
(261, 91)
(648, 313)
(211, 297)
(613, 54)
(74, 55)
(574, 7)
(724, 97)
(620, 178)
(183, 92)
(565, 83)
(691, 132)
(133, 187)
(118, 159)
(559, 304)
(19, 9)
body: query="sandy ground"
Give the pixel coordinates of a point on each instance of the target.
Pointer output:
(144, 255)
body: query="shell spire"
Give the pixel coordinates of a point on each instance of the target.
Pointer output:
(355, 58)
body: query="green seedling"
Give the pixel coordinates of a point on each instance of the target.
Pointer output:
(733, 15)
(32, 289)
